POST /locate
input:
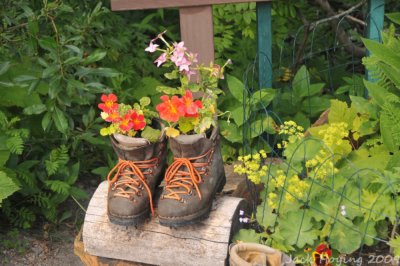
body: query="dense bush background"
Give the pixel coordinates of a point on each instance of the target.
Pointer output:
(56, 58)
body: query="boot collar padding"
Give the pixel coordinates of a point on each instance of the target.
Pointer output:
(187, 146)
(131, 142)
(189, 139)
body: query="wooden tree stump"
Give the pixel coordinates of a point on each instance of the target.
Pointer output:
(205, 243)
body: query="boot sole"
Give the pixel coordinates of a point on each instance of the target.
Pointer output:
(131, 220)
(196, 217)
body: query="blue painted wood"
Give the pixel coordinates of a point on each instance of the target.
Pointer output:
(376, 13)
(264, 41)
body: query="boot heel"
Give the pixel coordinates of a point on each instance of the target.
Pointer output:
(221, 184)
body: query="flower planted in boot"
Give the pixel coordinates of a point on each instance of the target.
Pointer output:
(197, 172)
(192, 180)
(137, 139)
(132, 181)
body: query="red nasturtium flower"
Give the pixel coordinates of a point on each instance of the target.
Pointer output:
(191, 107)
(321, 255)
(113, 117)
(171, 109)
(109, 103)
(126, 123)
(138, 121)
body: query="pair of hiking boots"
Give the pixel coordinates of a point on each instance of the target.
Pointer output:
(191, 181)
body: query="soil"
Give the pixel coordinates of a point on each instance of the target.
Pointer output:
(46, 244)
(39, 248)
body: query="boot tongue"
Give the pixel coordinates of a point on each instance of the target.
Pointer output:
(131, 142)
(186, 146)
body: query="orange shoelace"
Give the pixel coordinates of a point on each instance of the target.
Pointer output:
(177, 178)
(129, 174)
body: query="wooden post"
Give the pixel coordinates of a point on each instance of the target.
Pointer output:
(264, 41)
(376, 13)
(197, 31)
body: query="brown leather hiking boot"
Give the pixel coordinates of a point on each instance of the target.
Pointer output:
(133, 180)
(192, 180)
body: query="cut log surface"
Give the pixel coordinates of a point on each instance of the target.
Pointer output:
(205, 243)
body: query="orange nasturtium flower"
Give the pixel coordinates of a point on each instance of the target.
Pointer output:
(191, 107)
(171, 109)
(126, 123)
(109, 103)
(138, 121)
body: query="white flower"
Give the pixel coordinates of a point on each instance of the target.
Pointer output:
(104, 115)
(241, 212)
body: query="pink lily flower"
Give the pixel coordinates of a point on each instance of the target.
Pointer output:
(179, 52)
(151, 48)
(161, 59)
(180, 47)
(189, 73)
(183, 64)
(193, 57)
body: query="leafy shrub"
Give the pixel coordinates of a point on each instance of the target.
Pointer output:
(57, 57)
(241, 107)
(304, 101)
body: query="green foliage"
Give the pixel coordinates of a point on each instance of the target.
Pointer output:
(347, 169)
(56, 59)
(384, 66)
(319, 194)
(252, 117)
(352, 85)
(7, 186)
(304, 101)
(395, 244)
(153, 135)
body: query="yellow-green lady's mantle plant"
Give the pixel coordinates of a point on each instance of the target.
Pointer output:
(338, 184)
